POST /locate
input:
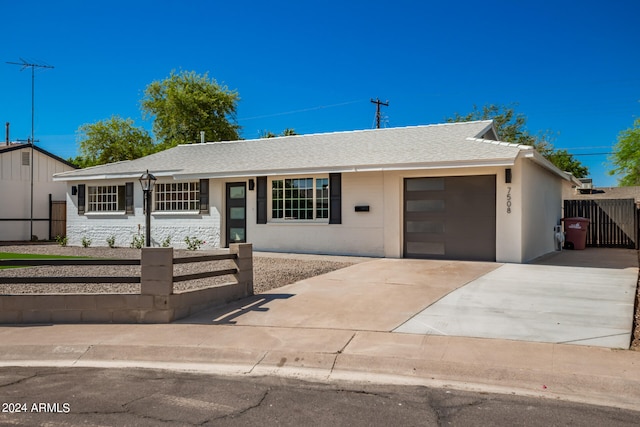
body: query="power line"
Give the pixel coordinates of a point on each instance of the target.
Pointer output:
(26, 64)
(378, 104)
(304, 110)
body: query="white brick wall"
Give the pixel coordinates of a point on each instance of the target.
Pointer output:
(99, 227)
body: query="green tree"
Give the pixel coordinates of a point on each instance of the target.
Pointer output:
(565, 161)
(186, 103)
(269, 134)
(626, 156)
(512, 127)
(112, 140)
(266, 134)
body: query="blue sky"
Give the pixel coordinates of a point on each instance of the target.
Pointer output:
(571, 66)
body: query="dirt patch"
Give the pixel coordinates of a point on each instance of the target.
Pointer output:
(635, 340)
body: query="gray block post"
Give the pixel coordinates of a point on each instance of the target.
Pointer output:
(244, 264)
(156, 272)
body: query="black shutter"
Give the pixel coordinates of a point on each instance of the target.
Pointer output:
(81, 192)
(335, 198)
(128, 198)
(261, 198)
(204, 196)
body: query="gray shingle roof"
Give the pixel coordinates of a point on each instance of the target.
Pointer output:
(450, 144)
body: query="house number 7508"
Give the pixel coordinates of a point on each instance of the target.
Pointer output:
(508, 200)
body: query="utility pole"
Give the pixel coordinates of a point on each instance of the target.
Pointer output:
(378, 104)
(25, 64)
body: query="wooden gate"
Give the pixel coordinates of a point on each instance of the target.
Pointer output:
(57, 219)
(614, 222)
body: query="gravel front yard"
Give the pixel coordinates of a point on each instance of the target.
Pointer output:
(269, 273)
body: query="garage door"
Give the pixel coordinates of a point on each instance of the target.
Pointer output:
(450, 217)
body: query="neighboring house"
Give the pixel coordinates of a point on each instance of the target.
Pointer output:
(15, 188)
(603, 193)
(446, 191)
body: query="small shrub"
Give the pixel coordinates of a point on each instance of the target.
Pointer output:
(111, 241)
(193, 243)
(137, 242)
(86, 242)
(166, 242)
(62, 241)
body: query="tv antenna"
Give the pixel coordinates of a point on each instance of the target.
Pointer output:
(378, 115)
(26, 64)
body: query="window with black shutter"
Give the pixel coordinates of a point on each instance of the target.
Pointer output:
(335, 198)
(204, 196)
(81, 198)
(261, 197)
(129, 198)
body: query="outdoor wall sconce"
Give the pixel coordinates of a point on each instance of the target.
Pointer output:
(252, 184)
(74, 190)
(362, 208)
(507, 176)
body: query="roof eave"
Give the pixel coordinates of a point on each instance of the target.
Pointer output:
(354, 168)
(124, 175)
(40, 150)
(542, 161)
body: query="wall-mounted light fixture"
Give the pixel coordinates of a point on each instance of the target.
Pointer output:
(74, 190)
(507, 175)
(252, 184)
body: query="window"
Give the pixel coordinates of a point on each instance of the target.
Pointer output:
(106, 198)
(177, 196)
(322, 198)
(300, 198)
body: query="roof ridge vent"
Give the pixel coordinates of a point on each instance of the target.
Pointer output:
(503, 143)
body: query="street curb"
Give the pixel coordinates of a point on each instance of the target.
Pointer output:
(600, 390)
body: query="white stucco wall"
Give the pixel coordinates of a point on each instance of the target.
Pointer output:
(361, 233)
(508, 225)
(379, 232)
(15, 187)
(542, 209)
(100, 226)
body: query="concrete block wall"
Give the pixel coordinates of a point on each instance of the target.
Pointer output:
(155, 304)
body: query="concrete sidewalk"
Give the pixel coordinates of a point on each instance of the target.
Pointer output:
(338, 327)
(575, 373)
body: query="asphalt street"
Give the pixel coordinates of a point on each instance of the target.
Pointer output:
(101, 397)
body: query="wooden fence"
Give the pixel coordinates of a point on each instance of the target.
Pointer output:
(613, 222)
(109, 279)
(57, 218)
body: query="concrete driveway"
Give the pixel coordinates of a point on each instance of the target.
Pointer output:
(577, 297)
